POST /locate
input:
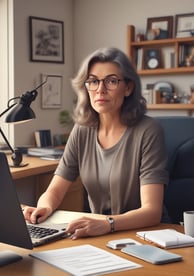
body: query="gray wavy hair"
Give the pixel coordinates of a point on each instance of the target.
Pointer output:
(134, 106)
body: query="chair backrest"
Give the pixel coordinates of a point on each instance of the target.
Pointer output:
(179, 137)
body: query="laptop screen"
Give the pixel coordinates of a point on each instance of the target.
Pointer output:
(13, 228)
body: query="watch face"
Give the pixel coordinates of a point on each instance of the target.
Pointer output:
(153, 63)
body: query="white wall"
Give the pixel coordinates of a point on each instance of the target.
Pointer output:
(89, 24)
(28, 74)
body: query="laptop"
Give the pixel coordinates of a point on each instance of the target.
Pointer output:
(14, 228)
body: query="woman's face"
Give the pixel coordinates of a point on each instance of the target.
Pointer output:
(110, 86)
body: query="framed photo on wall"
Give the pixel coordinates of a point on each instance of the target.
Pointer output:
(184, 25)
(46, 40)
(159, 27)
(51, 91)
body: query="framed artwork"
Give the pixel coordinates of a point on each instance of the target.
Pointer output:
(46, 40)
(160, 27)
(184, 25)
(51, 91)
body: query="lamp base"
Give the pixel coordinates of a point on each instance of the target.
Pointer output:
(18, 166)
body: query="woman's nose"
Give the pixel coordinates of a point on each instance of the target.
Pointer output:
(101, 87)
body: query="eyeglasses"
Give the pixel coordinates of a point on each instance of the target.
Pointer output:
(110, 83)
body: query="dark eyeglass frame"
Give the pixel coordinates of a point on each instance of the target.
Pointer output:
(86, 83)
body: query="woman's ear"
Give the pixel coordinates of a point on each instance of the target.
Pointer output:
(129, 88)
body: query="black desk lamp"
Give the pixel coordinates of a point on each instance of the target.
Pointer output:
(20, 113)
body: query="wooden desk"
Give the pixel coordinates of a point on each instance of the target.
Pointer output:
(32, 180)
(33, 267)
(36, 166)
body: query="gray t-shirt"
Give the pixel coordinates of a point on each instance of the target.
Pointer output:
(139, 158)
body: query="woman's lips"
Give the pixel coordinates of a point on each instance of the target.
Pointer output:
(101, 100)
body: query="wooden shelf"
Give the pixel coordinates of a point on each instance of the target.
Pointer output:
(175, 43)
(163, 71)
(163, 42)
(170, 106)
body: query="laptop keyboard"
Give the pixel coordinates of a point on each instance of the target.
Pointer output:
(38, 232)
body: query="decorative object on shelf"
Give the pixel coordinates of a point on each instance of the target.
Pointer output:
(51, 91)
(186, 55)
(190, 58)
(46, 40)
(160, 92)
(159, 27)
(152, 58)
(184, 25)
(163, 92)
(140, 37)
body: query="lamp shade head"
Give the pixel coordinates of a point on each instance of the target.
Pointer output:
(20, 113)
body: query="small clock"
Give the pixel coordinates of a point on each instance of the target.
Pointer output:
(152, 59)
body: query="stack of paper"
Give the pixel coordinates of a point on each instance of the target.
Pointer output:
(85, 260)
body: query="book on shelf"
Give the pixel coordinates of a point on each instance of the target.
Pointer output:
(166, 238)
(45, 152)
(185, 53)
(168, 58)
(43, 138)
(139, 58)
(148, 95)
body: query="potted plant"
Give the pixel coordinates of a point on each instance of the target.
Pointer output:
(66, 121)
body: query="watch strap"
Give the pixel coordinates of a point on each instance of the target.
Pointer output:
(111, 222)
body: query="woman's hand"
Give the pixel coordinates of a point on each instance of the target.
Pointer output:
(36, 215)
(85, 226)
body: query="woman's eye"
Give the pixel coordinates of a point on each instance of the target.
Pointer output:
(94, 81)
(112, 81)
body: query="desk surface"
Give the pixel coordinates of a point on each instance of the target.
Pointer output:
(35, 166)
(33, 267)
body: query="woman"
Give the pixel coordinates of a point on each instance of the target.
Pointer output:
(118, 151)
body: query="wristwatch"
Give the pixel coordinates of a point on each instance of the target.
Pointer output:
(111, 221)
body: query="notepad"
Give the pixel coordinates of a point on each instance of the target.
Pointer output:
(167, 238)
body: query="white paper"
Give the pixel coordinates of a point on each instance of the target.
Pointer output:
(85, 260)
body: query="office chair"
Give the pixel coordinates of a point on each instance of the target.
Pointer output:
(179, 137)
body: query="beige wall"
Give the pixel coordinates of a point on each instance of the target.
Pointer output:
(89, 24)
(103, 23)
(28, 74)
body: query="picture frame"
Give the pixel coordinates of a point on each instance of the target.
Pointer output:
(51, 91)
(184, 24)
(46, 40)
(162, 24)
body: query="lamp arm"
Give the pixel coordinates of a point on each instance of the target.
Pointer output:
(16, 154)
(5, 138)
(7, 109)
